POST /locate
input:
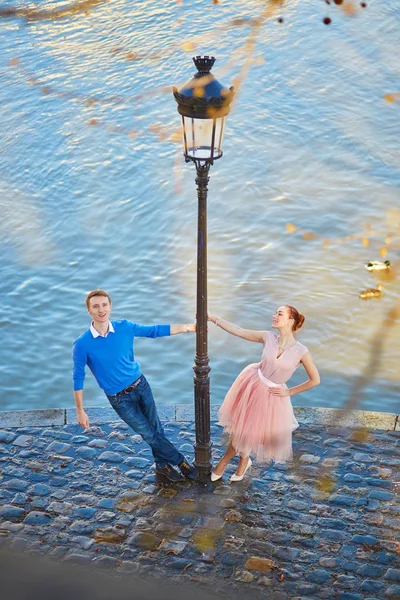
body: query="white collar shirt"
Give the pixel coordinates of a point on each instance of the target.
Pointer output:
(96, 334)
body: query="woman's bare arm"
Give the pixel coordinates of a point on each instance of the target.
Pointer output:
(246, 334)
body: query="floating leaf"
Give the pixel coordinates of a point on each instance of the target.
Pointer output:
(360, 435)
(198, 92)
(326, 484)
(176, 137)
(167, 493)
(349, 9)
(290, 228)
(188, 46)
(110, 535)
(205, 539)
(257, 563)
(365, 241)
(383, 252)
(307, 235)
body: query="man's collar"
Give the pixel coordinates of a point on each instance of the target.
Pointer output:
(96, 334)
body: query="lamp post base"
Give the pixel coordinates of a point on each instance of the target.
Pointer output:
(202, 459)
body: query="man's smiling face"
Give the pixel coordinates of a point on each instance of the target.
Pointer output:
(99, 309)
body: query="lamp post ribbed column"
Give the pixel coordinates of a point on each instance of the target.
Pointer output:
(201, 366)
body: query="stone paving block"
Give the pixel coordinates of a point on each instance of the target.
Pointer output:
(346, 581)
(98, 443)
(40, 489)
(334, 535)
(384, 558)
(6, 437)
(11, 512)
(84, 512)
(82, 541)
(364, 457)
(342, 499)
(36, 418)
(37, 518)
(369, 570)
(352, 478)
(78, 559)
(371, 585)
(61, 508)
(393, 592)
(379, 483)
(105, 562)
(79, 439)
(112, 457)
(82, 527)
(16, 484)
(85, 452)
(118, 447)
(319, 576)
(366, 540)
(106, 503)
(23, 441)
(392, 574)
(58, 447)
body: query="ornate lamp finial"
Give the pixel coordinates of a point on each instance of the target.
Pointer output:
(204, 64)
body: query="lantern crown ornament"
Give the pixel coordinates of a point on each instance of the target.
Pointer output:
(203, 102)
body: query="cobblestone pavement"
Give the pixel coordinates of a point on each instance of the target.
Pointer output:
(326, 526)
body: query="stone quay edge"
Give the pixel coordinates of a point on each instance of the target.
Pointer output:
(324, 417)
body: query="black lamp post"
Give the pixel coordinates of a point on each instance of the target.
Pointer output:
(204, 104)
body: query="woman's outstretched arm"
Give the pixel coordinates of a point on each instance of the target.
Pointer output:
(246, 334)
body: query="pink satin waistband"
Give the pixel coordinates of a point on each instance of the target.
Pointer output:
(267, 381)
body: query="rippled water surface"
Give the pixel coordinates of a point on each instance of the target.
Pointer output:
(95, 192)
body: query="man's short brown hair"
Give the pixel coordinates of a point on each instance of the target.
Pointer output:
(96, 293)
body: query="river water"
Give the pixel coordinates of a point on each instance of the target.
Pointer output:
(95, 192)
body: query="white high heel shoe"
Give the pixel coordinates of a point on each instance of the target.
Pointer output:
(240, 477)
(215, 477)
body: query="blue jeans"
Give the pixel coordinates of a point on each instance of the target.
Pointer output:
(138, 410)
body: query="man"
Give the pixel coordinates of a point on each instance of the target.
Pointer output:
(107, 349)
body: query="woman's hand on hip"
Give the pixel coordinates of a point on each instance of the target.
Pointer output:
(281, 391)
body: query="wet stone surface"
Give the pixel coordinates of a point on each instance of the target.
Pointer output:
(325, 526)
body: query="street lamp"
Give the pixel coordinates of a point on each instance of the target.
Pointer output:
(203, 103)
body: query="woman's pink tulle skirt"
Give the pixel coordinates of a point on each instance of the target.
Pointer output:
(258, 423)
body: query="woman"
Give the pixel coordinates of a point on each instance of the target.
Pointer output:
(257, 412)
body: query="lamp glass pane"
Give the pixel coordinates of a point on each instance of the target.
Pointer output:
(199, 135)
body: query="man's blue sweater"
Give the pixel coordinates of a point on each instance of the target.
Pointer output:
(111, 358)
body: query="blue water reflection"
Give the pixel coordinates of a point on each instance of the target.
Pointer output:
(95, 192)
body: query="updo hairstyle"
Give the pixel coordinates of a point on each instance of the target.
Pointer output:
(297, 317)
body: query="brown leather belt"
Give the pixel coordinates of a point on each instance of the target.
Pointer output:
(130, 388)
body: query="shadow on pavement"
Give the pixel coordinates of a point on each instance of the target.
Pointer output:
(28, 577)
